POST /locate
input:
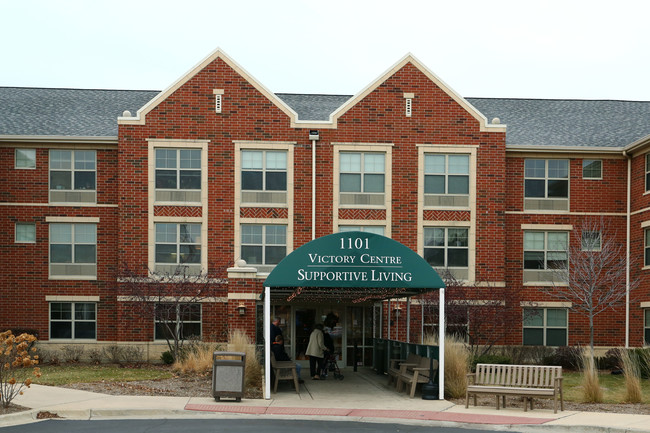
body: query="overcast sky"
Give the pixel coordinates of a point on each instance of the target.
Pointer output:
(490, 48)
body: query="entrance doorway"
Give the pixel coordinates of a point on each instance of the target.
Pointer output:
(351, 329)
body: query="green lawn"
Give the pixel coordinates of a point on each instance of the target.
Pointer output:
(82, 373)
(613, 387)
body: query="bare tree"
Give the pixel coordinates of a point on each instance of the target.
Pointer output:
(595, 280)
(481, 314)
(169, 300)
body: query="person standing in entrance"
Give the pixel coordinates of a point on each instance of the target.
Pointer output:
(275, 329)
(315, 350)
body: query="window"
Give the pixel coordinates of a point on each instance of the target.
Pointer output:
(264, 170)
(446, 180)
(545, 327)
(263, 244)
(25, 233)
(73, 320)
(378, 230)
(178, 169)
(73, 250)
(73, 176)
(446, 248)
(647, 172)
(546, 250)
(646, 313)
(178, 248)
(183, 320)
(592, 169)
(362, 172)
(72, 169)
(25, 158)
(647, 247)
(546, 184)
(591, 241)
(546, 178)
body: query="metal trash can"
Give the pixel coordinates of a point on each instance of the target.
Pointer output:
(228, 375)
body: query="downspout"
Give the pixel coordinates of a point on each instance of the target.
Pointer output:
(627, 250)
(313, 190)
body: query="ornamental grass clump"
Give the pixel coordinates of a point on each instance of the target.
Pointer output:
(16, 365)
(457, 362)
(592, 392)
(238, 341)
(632, 372)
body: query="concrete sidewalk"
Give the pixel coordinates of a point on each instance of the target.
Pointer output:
(359, 397)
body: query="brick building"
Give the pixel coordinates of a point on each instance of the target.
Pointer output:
(218, 174)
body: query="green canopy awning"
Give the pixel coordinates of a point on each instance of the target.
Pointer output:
(358, 265)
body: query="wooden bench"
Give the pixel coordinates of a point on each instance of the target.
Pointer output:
(284, 370)
(527, 381)
(394, 367)
(413, 375)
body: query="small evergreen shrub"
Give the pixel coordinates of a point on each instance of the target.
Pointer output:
(167, 357)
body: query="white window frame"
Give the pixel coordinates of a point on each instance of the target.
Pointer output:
(73, 320)
(74, 227)
(362, 172)
(73, 170)
(545, 250)
(178, 307)
(446, 247)
(545, 326)
(600, 174)
(646, 247)
(264, 169)
(24, 225)
(263, 264)
(19, 161)
(191, 268)
(547, 178)
(178, 169)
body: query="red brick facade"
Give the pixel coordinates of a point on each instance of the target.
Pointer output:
(185, 115)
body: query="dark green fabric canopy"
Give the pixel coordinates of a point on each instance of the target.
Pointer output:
(356, 260)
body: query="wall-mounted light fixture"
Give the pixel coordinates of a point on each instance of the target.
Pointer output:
(398, 311)
(314, 135)
(242, 309)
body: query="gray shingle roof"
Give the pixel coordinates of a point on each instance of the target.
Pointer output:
(66, 112)
(536, 122)
(313, 107)
(552, 122)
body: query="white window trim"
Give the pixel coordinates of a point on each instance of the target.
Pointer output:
(72, 320)
(387, 149)
(472, 150)
(72, 171)
(72, 221)
(260, 221)
(203, 219)
(218, 100)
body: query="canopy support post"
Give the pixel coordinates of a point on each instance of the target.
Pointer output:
(441, 344)
(267, 343)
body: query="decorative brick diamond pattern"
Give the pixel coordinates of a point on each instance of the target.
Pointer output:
(446, 215)
(178, 211)
(263, 212)
(362, 214)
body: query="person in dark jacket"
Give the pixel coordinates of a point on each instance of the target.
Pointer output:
(281, 355)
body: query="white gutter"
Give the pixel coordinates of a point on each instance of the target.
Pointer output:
(562, 149)
(58, 139)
